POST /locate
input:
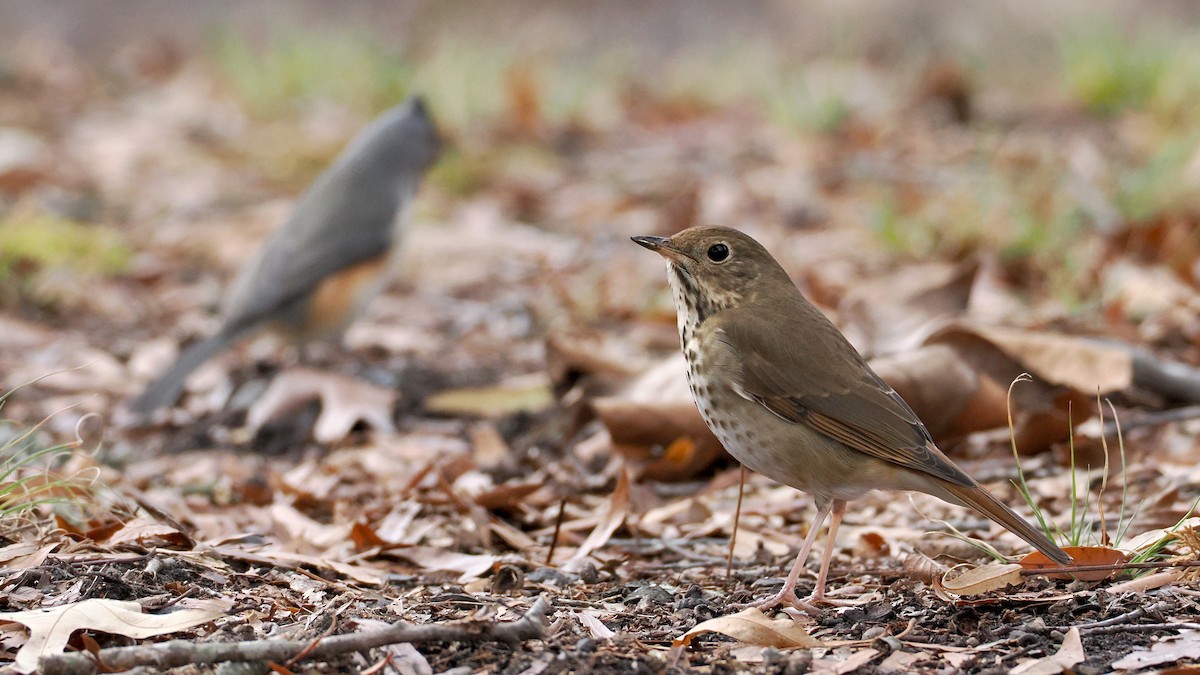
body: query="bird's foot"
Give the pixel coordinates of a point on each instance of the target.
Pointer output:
(791, 603)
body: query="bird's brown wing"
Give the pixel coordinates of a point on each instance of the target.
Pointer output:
(812, 375)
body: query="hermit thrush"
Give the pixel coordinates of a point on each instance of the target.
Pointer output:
(790, 398)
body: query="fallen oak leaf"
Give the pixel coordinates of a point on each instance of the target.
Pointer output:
(656, 410)
(1080, 556)
(753, 627)
(344, 401)
(51, 629)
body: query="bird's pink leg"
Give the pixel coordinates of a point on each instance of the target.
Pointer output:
(839, 509)
(787, 595)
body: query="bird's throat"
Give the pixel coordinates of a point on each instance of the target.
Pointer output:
(691, 306)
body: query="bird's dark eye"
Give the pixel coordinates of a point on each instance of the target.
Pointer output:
(718, 252)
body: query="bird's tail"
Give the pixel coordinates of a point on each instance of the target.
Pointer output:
(983, 501)
(169, 385)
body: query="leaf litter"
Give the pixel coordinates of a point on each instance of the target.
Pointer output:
(511, 421)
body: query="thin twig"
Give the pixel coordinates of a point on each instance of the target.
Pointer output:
(1135, 627)
(1070, 569)
(1125, 618)
(558, 523)
(737, 518)
(160, 656)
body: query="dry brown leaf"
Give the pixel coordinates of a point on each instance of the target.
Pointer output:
(1068, 655)
(611, 517)
(1081, 555)
(1170, 649)
(1148, 582)
(1078, 363)
(24, 556)
(276, 558)
(51, 629)
(945, 389)
(895, 312)
(345, 402)
(853, 663)
(488, 448)
(596, 627)
(365, 538)
(306, 532)
(655, 411)
(519, 394)
(469, 565)
(923, 568)
(149, 533)
(753, 627)
(983, 579)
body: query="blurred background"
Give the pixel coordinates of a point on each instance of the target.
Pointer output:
(146, 148)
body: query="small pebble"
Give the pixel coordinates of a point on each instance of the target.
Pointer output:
(873, 632)
(589, 574)
(799, 663)
(887, 644)
(651, 593)
(586, 645)
(551, 576)
(1024, 638)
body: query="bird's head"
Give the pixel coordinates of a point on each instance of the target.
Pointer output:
(714, 268)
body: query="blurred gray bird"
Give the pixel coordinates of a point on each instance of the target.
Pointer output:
(315, 274)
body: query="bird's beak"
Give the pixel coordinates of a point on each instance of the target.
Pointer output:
(661, 246)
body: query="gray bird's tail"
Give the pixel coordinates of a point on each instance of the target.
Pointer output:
(983, 501)
(166, 389)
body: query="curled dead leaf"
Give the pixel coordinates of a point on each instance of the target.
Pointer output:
(753, 627)
(611, 518)
(923, 568)
(1068, 655)
(1078, 363)
(982, 579)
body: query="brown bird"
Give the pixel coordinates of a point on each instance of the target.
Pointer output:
(791, 398)
(316, 273)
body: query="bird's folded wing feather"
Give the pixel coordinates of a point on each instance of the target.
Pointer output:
(797, 380)
(336, 225)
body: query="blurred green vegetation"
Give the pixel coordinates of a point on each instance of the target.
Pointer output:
(40, 253)
(296, 67)
(1027, 215)
(1109, 72)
